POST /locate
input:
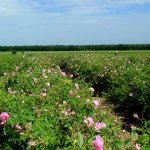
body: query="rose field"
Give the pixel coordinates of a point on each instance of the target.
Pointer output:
(75, 100)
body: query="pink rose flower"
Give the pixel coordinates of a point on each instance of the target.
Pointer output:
(89, 121)
(43, 94)
(32, 144)
(4, 116)
(99, 125)
(91, 90)
(63, 74)
(71, 75)
(131, 94)
(2, 123)
(17, 126)
(137, 147)
(98, 143)
(96, 104)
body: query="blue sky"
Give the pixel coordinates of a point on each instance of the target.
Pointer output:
(47, 22)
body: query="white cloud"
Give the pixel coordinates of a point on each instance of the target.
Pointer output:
(62, 7)
(13, 8)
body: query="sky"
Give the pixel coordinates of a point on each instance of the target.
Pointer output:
(74, 22)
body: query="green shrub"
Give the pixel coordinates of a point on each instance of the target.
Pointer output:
(124, 79)
(8, 63)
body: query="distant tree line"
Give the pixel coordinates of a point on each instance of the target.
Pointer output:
(116, 47)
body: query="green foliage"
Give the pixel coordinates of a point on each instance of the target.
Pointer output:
(47, 108)
(13, 51)
(124, 79)
(8, 62)
(77, 47)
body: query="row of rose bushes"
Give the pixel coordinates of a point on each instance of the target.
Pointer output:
(123, 78)
(41, 107)
(8, 62)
